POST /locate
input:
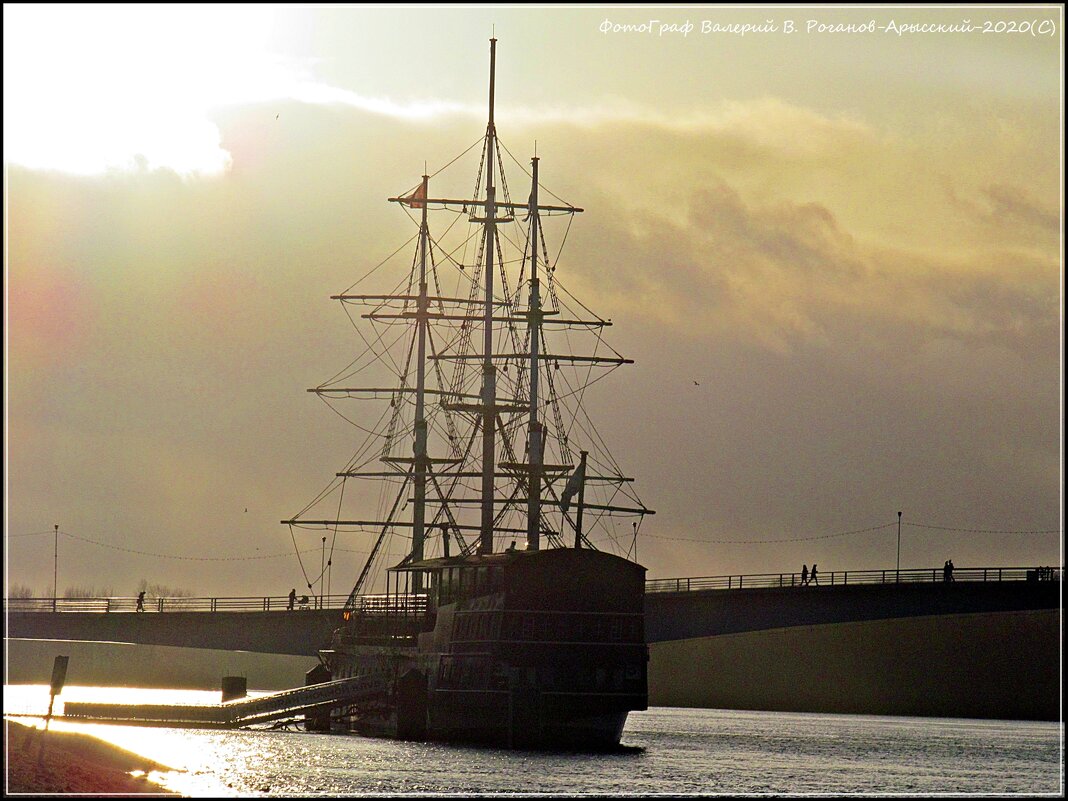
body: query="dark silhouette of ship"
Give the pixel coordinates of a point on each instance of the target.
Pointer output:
(485, 441)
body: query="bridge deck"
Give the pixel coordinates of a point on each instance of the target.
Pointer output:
(280, 603)
(674, 608)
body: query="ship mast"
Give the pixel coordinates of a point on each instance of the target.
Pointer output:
(534, 430)
(489, 371)
(443, 477)
(419, 446)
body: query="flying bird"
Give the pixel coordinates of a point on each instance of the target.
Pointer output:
(276, 116)
(694, 383)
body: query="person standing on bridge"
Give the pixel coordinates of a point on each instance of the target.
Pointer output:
(141, 601)
(812, 576)
(292, 598)
(804, 575)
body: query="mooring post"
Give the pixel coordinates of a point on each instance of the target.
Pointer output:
(59, 677)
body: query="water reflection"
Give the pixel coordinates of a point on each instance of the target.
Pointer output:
(672, 751)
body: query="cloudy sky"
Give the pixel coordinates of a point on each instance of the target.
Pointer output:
(851, 239)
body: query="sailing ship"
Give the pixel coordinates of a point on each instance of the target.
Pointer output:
(484, 442)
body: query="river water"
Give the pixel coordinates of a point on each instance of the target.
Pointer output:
(667, 751)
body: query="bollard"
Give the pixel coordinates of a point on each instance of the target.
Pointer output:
(234, 687)
(319, 720)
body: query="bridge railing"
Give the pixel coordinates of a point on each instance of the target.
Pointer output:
(275, 603)
(844, 577)
(416, 604)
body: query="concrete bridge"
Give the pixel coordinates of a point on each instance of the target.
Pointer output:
(881, 642)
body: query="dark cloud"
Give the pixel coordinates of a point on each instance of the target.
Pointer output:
(1011, 205)
(842, 376)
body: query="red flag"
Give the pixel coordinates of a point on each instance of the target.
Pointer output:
(416, 198)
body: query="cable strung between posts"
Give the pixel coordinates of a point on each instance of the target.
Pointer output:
(772, 542)
(982, 530)
(171, 556)
(857, 531)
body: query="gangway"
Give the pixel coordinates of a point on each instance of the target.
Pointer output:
(317, 698)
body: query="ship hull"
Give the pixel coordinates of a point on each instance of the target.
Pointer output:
(410, 708)
(540, 649)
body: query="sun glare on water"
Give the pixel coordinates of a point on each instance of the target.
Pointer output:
(194, 765)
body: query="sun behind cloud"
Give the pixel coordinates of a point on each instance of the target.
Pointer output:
(91, 88)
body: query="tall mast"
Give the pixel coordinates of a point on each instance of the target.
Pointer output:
(489, 371)
(419, 446)
(534, 435)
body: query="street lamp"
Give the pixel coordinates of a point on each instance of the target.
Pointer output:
(322, 573)
(55, 570)
(898, 574)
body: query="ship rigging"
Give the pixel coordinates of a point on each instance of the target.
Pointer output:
(485, 439)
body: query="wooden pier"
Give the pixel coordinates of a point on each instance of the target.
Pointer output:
(287, 704)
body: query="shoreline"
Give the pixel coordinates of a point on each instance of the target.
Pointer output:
(73, 763)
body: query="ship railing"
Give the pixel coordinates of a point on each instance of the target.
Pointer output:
(383, 620)
(847, 577)
(394, 605)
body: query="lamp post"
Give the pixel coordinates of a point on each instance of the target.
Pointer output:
(55, 570)
(898, 573)
(322, 573)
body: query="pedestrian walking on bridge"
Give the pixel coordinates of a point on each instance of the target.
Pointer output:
(804, 575)
(812, 576)
(141, 601)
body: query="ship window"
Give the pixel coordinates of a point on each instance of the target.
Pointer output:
(445, 587)
(528, 627)
(617, 629)
(483, 579)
